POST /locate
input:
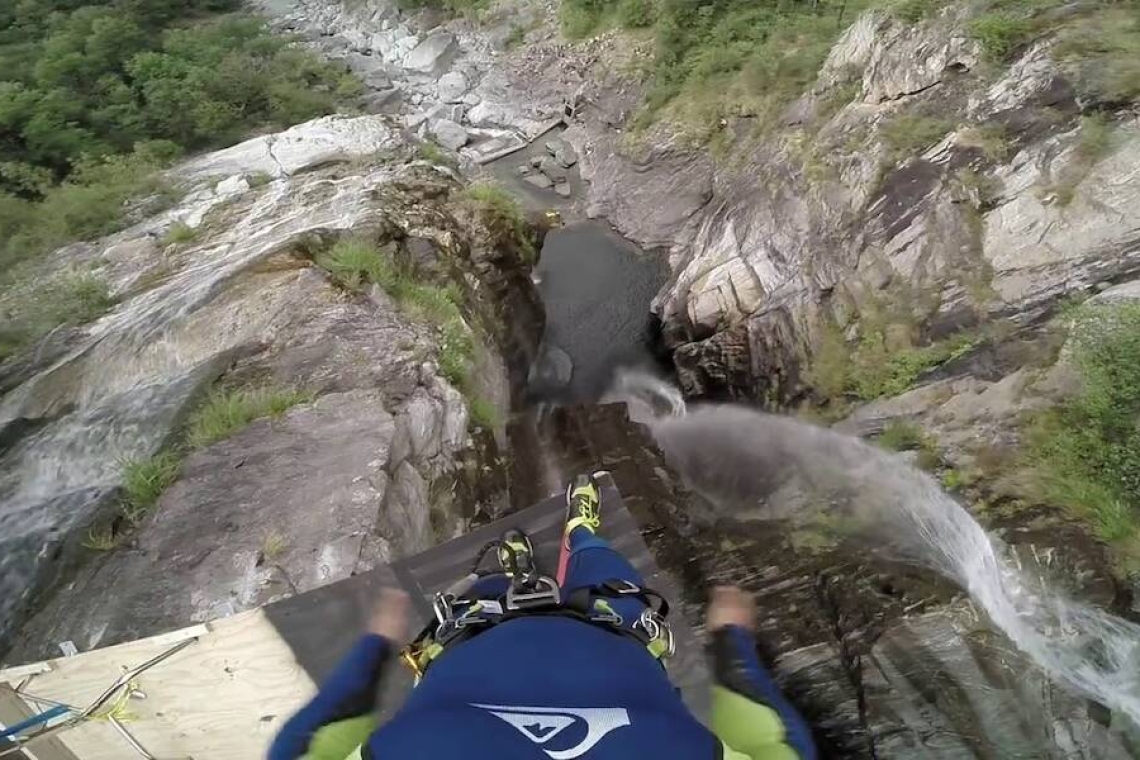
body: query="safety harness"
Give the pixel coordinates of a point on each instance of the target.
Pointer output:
(529, 594)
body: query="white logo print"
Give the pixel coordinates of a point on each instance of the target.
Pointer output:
(541, 724)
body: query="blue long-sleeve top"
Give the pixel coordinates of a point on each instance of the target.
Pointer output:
(548, 687)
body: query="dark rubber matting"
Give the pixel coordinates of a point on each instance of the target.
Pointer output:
(320, 625)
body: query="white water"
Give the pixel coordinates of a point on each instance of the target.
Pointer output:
(773, 467)
(120, 392)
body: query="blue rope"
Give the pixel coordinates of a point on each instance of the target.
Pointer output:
(44, 717)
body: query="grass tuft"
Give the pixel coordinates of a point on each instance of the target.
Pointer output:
(180, 234)
(274, 546)
(101, 539)
(501, 215)
(908, 134)
(144, 481)
(355, 262)
(904, 435)
(1086, 451)
(435, 154)
(1002, 33)
(1094, 142)
(225, 413)
(484, 414)
(1103, 50)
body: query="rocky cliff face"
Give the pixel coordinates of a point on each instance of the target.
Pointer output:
(837, 213)
(376, 465)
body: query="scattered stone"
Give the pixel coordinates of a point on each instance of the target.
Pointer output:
(563, 189)
(452, 86)
(551, 168)
(384, 101)
(453, 113)
(562, 152)
(232, 186)
(433, 55)
(536, 161)
(449, 134)
(540, 181)
(523, 170)
(552, 371)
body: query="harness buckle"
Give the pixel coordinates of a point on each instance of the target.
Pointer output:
(622, 587)
(443, 607)
(657, 629)
(544, 594)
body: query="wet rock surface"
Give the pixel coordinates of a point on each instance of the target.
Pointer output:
(243, 302)
(820, 223)
(885, 661)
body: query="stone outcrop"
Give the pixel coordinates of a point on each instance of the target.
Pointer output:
(823, 221)
(353, 478)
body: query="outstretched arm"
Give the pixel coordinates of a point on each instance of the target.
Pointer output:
(749, 712)
(340, 717)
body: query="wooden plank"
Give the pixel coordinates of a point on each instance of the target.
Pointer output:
(13, 709)
(20, 672)
(223, 697)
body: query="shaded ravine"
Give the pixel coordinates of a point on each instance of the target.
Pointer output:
(596, 288)
(859, 627)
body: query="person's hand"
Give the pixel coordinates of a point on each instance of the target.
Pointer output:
(390, 616)
(730, 605)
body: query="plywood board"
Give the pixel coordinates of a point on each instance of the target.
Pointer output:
(222, 697)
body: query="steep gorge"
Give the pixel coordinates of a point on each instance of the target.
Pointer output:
(920, 194)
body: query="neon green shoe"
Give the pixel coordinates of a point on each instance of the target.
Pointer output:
(516, 554)
(583, 502)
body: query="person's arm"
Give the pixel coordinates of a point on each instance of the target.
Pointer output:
(749, 712)
(339, 719)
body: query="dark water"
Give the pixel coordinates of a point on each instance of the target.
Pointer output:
(597, 288)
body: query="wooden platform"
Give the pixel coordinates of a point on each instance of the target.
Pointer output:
(226, 695)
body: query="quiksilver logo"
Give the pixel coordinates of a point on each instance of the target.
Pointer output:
(542, 724)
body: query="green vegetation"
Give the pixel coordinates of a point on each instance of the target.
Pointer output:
(901, 435)
(352, 263)
(502, 216)
(515, 37)
(1094, 142)
(88, 203)
(993, 140)
(455, 7)
(1105, 47)
(875, 367)
(144, 480)
(721, 58)
(913, 11)
(433, 153)
(1086, 451)
(273, 547)
(484, 414)
(226, 412)
(1002, 33)
(95, 95)
(72, 299)
(908, 134)
(102, 539)
(956, 480)
(179, 234)
(904, 435)
(880, 371)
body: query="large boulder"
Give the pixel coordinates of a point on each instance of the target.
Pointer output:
(449, 134)
(433, 54)
(305, 146)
